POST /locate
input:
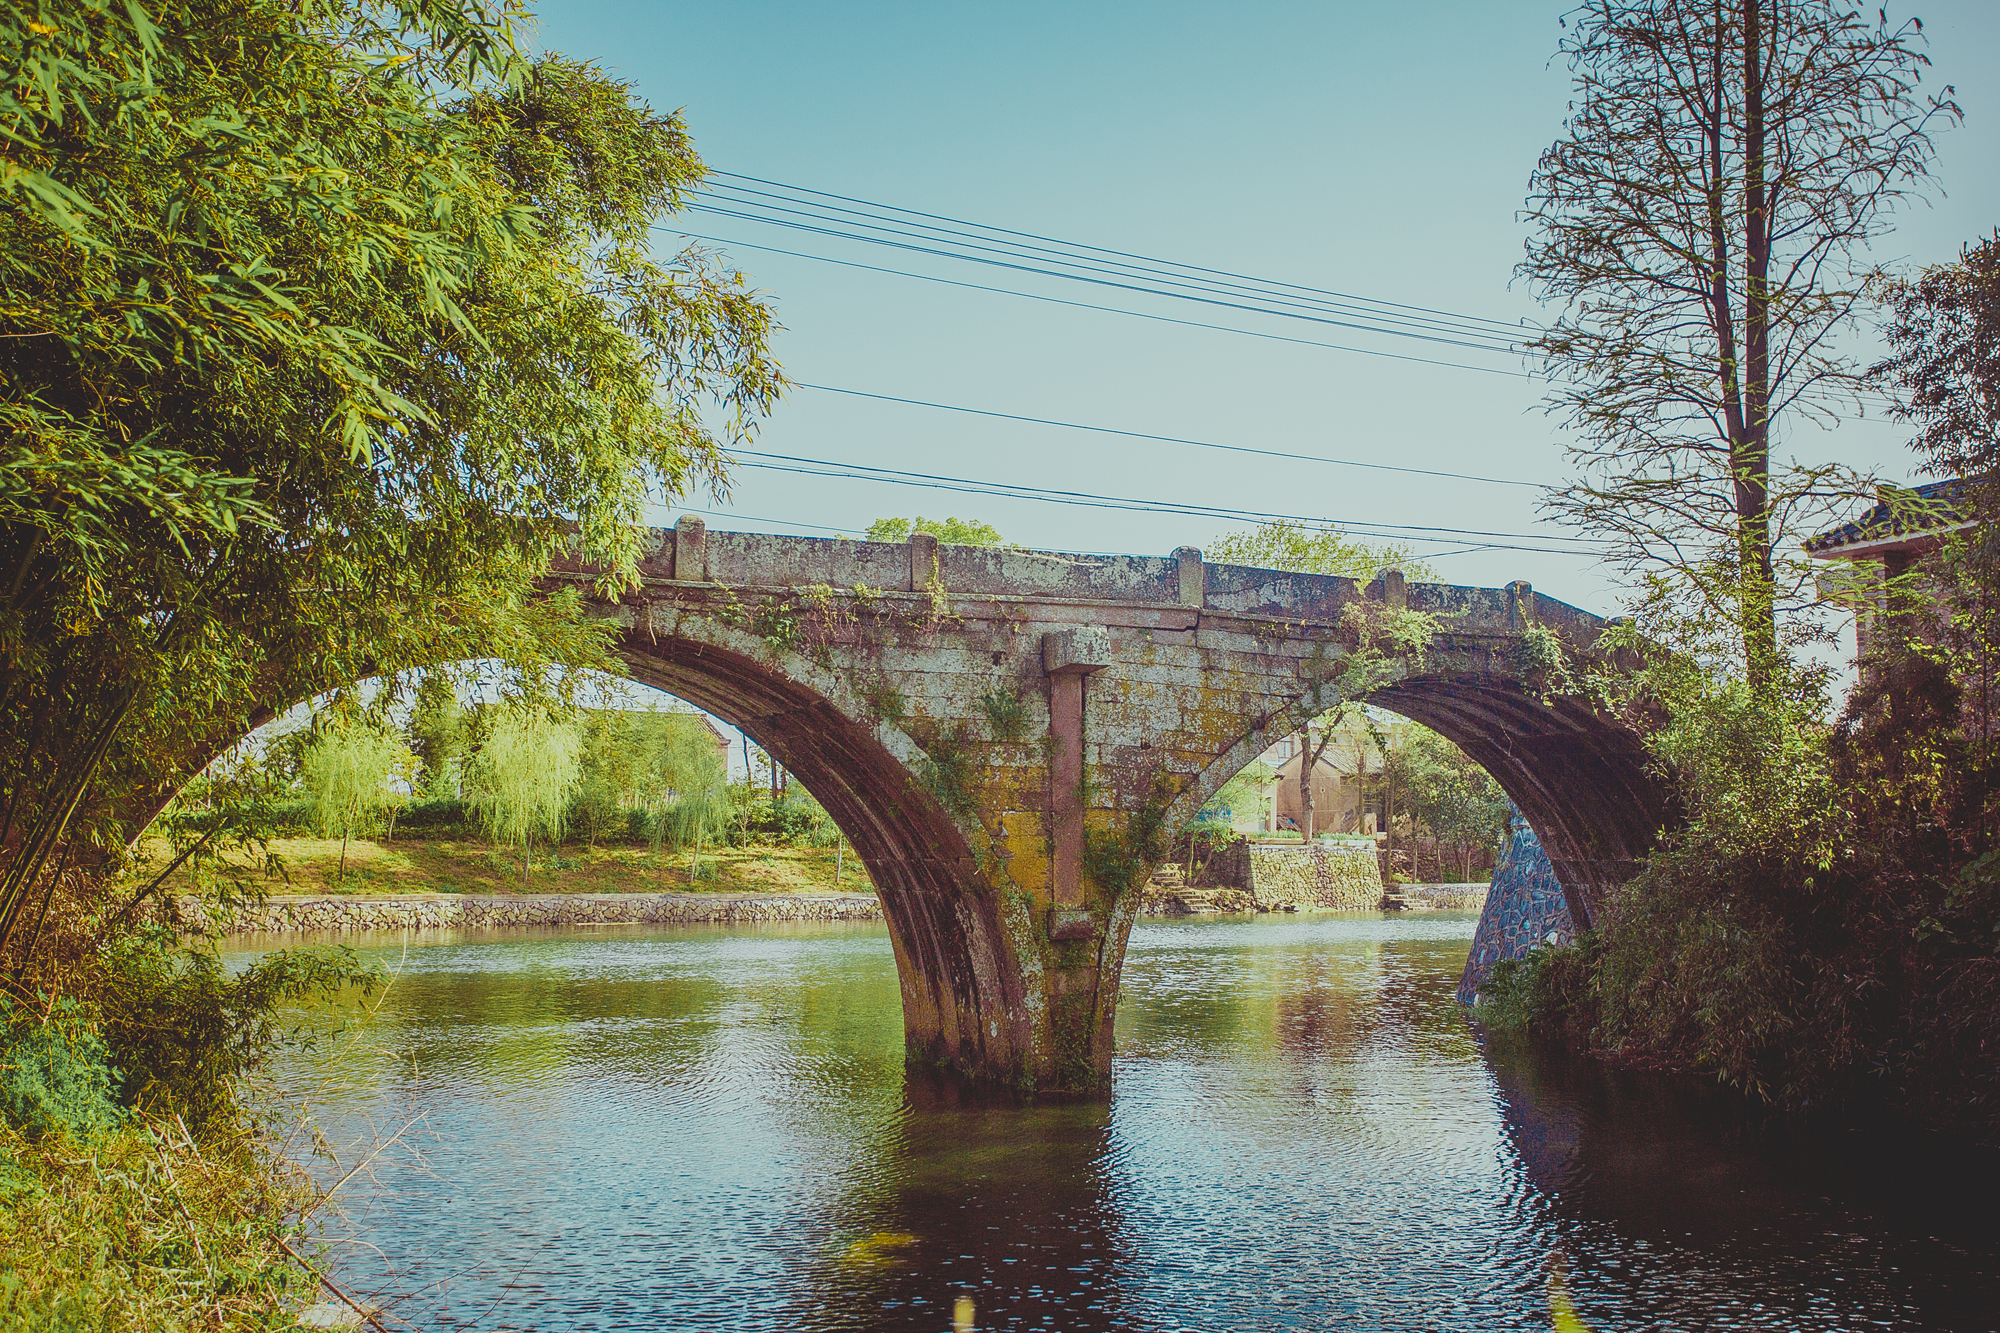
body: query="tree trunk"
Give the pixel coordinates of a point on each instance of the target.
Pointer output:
(1306, 761)
(1750, 452)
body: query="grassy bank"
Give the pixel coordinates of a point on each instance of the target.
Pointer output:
(464, 865)
(142, 1228)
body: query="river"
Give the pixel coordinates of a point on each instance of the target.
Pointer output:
(710, 1128)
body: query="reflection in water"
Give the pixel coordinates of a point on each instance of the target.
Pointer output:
(712, 1128)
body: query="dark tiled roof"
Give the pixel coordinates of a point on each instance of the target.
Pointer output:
(1940, 510)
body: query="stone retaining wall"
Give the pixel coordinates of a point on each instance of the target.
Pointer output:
(430, 911)
(1445, 897)
(1319, 874)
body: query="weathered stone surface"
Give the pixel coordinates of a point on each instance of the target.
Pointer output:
(1524, 908)
(1327, 875)
(1270, 877)
(1445, 897)
(1009, 816)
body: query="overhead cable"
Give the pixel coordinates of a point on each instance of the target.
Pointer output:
(1242, 280)
(1023, 266)
(1010, 490)
(1170, 439)
(1106, 309)
(1455, 548)
(1157, 282)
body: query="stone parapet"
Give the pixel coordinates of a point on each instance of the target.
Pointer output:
(432, 911)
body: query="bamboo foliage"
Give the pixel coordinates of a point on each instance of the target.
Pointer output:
(329, 328)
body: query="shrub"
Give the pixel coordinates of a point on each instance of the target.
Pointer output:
(794, 821)
(184, 1031)
(435, 816)
(141, 1228)
(1821, 934)
(55, 1072)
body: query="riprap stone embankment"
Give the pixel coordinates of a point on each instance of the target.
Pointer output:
(433, 911)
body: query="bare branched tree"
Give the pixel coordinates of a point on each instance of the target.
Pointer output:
(1704, 221)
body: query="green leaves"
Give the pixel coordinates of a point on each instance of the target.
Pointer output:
(1290, 545)
(329, 330)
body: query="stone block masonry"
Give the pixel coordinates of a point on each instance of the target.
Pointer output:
(1328, 875)
(434, 911)
(1525, 908)
(1009, 737)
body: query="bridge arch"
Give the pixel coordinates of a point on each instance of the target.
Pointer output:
(968, 1004)
(1579, 778)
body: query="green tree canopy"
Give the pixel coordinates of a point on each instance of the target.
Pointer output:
(1301, 548)
(1446, 792)
(948, 531)
(329, 328)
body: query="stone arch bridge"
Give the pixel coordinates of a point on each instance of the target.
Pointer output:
(1005, 735)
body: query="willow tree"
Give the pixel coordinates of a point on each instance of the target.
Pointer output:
(328, 328)
(1703, 221)
(523, 777)
(349, 768)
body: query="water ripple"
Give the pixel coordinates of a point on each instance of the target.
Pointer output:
(710, 1129)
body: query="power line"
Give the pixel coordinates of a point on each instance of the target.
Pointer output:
(1454, 548)
(1168, 439)
(1014, 491)
(1424, 323)
(1024, 267)
(1288, 302)
(1125, 254)
(1106, 309)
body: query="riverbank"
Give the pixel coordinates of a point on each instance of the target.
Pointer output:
(292, 913)
(430, 911)
(370, 868)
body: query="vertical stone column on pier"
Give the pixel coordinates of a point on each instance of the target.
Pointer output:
(1069, 656)
(1085, 944)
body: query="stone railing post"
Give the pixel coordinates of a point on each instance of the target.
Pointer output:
(1520, 605)
(691, 549)
(923, 560)
(1194, 576)
(1390, 589)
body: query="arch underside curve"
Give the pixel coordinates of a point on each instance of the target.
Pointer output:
(961, 987)
(1579, 778)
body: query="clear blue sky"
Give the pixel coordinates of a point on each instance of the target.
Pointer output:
(1369, 148)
